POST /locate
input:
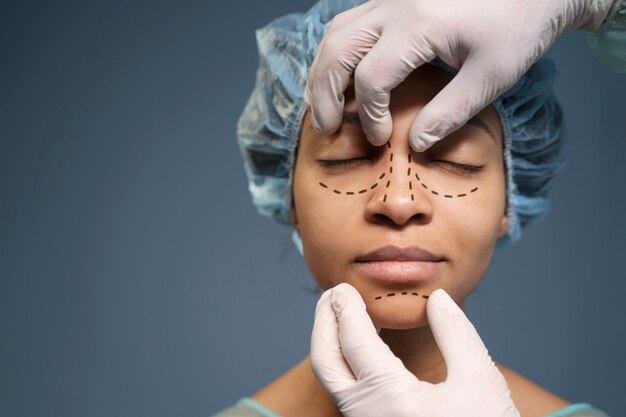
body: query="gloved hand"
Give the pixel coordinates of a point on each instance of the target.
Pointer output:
(365, 378)
(492, 42)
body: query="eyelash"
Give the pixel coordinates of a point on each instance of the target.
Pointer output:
(330, 163)
(463, 167)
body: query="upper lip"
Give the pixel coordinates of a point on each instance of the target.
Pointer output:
(393, 253)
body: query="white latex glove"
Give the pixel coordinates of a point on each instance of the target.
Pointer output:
(492, 42)
(365, 378)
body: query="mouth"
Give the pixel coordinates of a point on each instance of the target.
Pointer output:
(393, 265)
(395, 254)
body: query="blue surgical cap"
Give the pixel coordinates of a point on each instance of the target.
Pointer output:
(269, 127)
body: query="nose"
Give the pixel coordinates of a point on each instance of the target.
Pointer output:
(400, 200)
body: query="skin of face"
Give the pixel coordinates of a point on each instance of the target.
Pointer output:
(338, 230)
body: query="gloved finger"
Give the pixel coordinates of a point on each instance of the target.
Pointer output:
(338, 55)
(327, 361)
(366, 353)
(385, 66)
(471, 90)
(334, 25)
(347, 16)
(459, 342)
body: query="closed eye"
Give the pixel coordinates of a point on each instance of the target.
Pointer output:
(464, 168)
(333, 163)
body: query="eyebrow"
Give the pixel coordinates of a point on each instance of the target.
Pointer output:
(352, 118)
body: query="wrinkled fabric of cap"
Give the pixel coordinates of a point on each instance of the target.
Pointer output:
(269, 127)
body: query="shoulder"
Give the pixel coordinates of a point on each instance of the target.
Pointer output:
(531, 399)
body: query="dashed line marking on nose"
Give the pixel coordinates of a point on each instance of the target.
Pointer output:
(387, 185)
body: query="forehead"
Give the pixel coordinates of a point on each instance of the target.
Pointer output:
(418, 89)
(421, 85)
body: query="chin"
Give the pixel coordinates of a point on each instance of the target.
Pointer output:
(399, 312)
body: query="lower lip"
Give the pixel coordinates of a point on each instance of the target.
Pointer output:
(399, 272)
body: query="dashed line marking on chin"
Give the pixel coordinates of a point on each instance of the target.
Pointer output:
(393, 294)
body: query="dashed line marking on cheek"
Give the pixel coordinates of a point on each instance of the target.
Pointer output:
(388, 184)
(417, 177)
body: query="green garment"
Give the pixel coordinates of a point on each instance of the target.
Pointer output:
(608, 43)
(247, 407)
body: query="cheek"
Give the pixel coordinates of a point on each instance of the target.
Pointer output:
(474, 227)
(326, 224)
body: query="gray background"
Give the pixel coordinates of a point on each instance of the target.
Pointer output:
(136, 278)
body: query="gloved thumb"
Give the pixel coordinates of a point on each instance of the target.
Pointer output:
(459, 342)
(366, 353)
(463, 97)
(327, 361)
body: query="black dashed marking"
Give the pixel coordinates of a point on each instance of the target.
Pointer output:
(408, 173)
(393, 294)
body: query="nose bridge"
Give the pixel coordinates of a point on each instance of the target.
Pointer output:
(399, 185)
(399, 197)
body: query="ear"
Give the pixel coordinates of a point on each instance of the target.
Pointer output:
(293, 217)
(504, 225)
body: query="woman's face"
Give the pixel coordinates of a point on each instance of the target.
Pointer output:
(398, 224)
